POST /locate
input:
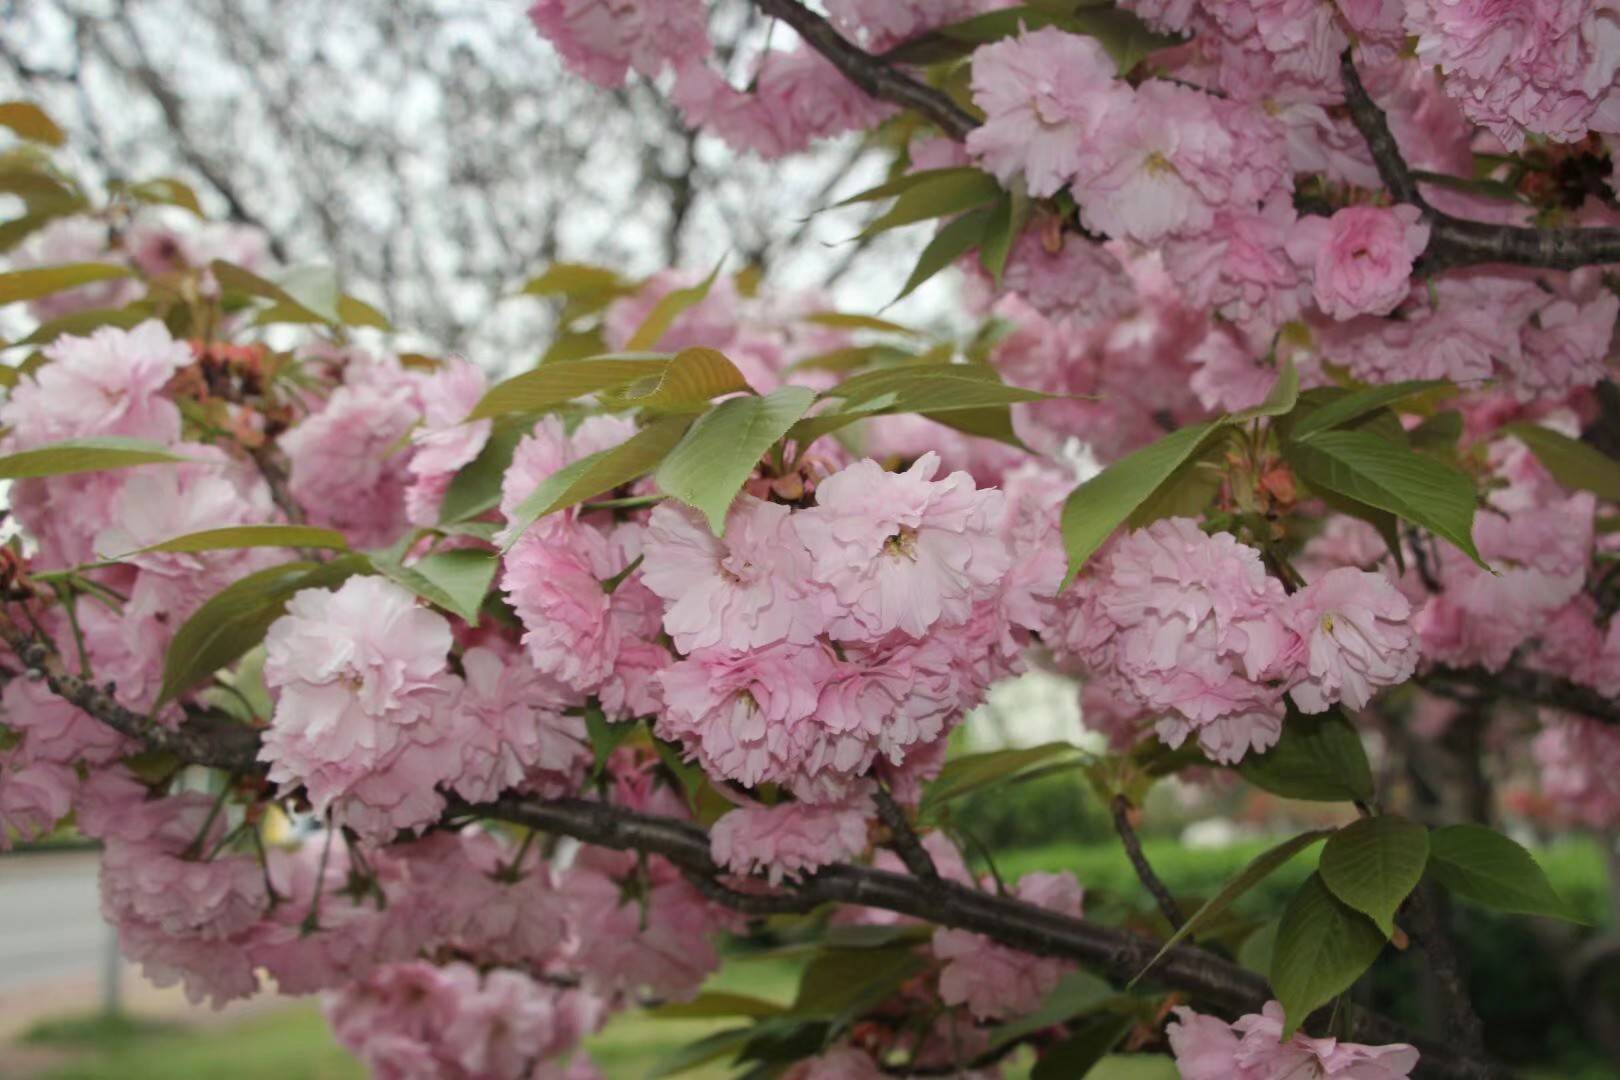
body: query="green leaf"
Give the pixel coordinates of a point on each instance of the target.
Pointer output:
(80, 323)
(1573, 463)
(710, 465)
(30, 122)
(599, 472)
(1259, 868)
(356, 312)
(1322, 948)
(953, 239)
(715, 1003)
(687, 383)
(1076, 1055)
(560, 381)
(456, 581)
(974, 771)
(1372, 470)
(307, 294)
(1319, 758)
(690, 776)
(235, 619)
(1374, 863)
(902, 184)
(839, 320)
(1102, 504)
(166, 191)
(41, 281)
(1006, 222)
(1482, 865)
(1077, 992)
(701, 1052)
(477, 487)
(668, 309)
(605, 737)
(840, 984)
(84, 455)
(586, 288)
(251, 536)
(1358, 403)
(932, 388)
(1281, 398)
(862, 936)
(1438, 434)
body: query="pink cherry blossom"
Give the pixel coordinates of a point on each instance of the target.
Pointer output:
(1566, 347)
(34, 796)
(170, 880)
(1193, 627)
(901, 550)
(877, 25)
(789, 840)
(1252, 1048)
(1356, 635)
(1068, 275)
(446, 441)
(602, 40)
(349, 460)
(109, 383)
(1579, 759)
(798, 97)
(1045, 94)
(660, 943)
(55, 731)
(1361, 258)
(554, 580)
(1540, 67)
(994, 981)
(746, 716)
(74, 239)
(362, 697)
(512, 730)
(839, 1063)
(746, 591)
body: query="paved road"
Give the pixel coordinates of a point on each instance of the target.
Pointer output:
(50, 918)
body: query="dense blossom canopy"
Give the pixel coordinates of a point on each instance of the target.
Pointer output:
(1323, 289)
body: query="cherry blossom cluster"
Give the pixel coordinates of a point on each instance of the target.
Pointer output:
(1189, 628)
(1252, 1048)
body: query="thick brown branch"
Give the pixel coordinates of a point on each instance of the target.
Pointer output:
(220, 746)
(1456, 242)
(1369, 120)
(902, 837)
(1427, 912)
(866, 71)
(1473, 685)
(1144, 869)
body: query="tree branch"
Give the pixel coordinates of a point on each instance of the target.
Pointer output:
(902, 837)
(1144, 870)
(1119, 954)
(1470, 685)
(222, 746)
(876, 77)
(1456, 242)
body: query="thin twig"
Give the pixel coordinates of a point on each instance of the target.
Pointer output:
(1144, 870)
